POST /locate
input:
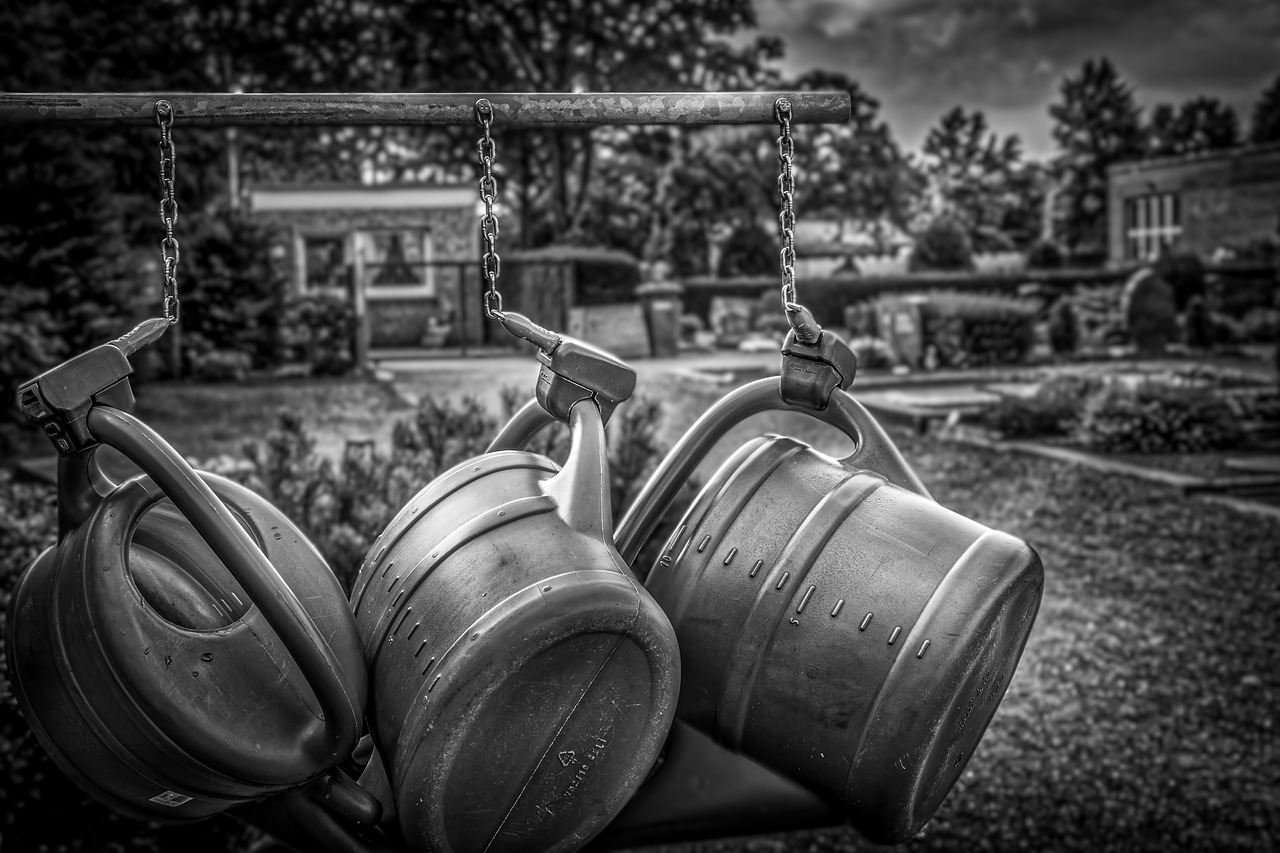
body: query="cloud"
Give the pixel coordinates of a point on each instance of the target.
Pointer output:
(919, 57)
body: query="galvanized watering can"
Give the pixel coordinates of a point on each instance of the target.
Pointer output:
(835, 623)
(182, 648)
(523, 680)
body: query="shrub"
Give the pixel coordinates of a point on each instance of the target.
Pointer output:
(1184, 272)
(1064, 328)
(232, 291)
(943, 245)
(1053, 410)
(1151, 417)
(1045, 255)
(317, 330)
(1197, 325)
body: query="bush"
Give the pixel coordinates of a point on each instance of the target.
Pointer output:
(1046, 255)
(1184, 272)
(1151, 417)
(232, 292)
(318, 330)
(1064, 328)
(1197, 325)
(943, 245)
(1053, 410)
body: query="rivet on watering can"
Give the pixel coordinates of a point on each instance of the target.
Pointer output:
(702, 546)
(866, 620)
(755, 570)
(807, 594)
(894, 636)
(782, 580)
(920, 653)
(733, 552)
(835, 611)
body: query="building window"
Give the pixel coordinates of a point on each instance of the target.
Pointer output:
(322, 263)
(396, 262)
(1151, 222)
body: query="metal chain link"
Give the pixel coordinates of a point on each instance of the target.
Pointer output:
(787, 215)
(168, 211)
(490, 263)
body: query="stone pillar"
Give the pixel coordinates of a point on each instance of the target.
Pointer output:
(660, 295)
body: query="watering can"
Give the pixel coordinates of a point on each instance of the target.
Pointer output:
(183, 648)
(835, 623)
(523, 680)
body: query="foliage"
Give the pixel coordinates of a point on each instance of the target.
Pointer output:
(1197, 325)
(232, 290)
(1045, 255)
(1155, 417)
(1265, 124)
(854, 170)
(1184, 272)
(562, 46)
(980, 179)
(318, 330)
(1200, 124)
(1096, 124)
(943, 245)
(1064, 328)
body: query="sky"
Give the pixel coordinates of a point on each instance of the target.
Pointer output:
(919, 58)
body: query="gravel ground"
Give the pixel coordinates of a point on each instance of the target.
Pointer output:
(1143, 714)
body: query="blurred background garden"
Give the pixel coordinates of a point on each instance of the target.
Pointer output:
(1071, 329)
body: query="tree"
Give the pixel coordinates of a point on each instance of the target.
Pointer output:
(1096, 124)
(854, 171)
(979, 179)
(1265, 126)
(562, 46)
(1198, 125)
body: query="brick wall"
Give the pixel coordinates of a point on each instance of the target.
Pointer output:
(1227, 198)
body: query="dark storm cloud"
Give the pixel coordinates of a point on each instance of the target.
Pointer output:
(920, 57)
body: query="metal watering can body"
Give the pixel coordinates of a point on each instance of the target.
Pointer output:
(835, 623)
(183, 648)
(523, 681)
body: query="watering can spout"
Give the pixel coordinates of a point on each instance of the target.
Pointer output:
(581, 489)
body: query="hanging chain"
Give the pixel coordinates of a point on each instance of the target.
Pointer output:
(168, 211)
(786, 193)
(490, 263)
(798, 316)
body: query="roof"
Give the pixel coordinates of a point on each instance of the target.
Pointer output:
(1242, 151)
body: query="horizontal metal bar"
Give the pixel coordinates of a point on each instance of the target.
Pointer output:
(583, 109)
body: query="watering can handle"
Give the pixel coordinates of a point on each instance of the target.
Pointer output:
(333, 737)
(873, 450)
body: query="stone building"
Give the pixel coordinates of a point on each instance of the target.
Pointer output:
(405, 255)
(1196, 203)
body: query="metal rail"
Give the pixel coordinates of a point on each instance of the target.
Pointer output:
(525, 109)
